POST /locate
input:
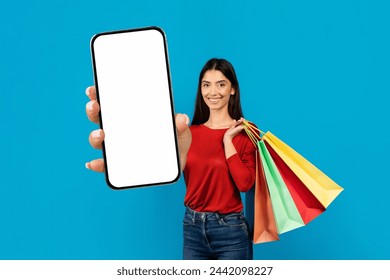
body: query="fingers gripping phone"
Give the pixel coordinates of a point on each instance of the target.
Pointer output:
(133, 86)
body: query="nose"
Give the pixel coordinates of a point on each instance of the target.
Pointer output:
(213, 90)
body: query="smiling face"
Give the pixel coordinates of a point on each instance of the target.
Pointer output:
(216, 90)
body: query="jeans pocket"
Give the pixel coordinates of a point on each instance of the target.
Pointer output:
(235, 220)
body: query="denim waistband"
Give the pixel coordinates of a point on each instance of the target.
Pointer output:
(210, 215)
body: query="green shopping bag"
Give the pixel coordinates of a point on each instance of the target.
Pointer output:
(285, 211)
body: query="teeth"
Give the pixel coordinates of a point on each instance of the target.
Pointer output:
(214, 100)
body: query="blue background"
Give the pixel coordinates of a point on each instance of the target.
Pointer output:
(315, 73)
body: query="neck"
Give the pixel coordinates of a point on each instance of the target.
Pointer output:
(219, 119)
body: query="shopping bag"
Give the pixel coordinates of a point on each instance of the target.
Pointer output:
(320, 185)
(286, 214)
(310, 189)
(308, 205)
(259, 209)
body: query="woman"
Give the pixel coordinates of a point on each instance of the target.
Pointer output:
(218, 161)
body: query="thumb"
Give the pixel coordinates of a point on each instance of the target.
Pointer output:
(182, 121)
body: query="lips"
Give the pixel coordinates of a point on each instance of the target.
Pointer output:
(214, 100)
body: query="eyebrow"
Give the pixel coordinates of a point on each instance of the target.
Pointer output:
(220, 81)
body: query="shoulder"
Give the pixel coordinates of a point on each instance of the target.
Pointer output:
(251, 127)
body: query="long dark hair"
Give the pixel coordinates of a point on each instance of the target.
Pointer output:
(202, 112)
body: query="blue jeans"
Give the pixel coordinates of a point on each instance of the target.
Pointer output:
(216, 236)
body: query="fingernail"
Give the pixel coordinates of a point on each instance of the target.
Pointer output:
(87, 92)
(87, 165)
(90, 105)
(97, 133)
(187, 119)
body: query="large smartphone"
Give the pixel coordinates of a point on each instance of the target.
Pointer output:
(133, 86)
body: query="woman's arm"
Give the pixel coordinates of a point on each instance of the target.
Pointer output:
(241, 169)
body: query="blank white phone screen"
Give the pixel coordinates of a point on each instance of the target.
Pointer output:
(136, 109)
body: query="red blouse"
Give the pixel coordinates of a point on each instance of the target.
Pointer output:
(213, 182)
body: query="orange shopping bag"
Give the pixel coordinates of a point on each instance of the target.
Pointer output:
(258, 209)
